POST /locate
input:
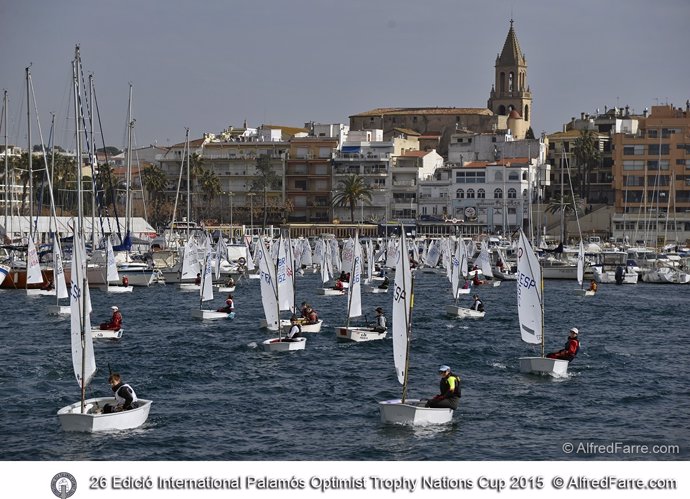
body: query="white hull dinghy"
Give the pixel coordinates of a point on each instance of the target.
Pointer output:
(93, 419)
(225, 289)
(188, 286)
(59, 310)
(283, 344)
(530, 301)
(375, 289)
(463, 291)
(358, 334)
(543, 365)
(464, 313)
(211, 314)
(413, 412)
(331, 292)
(107, 334)
(304, 327)
(40, 292)
(585, 292)
(114, 288)
(406, 411)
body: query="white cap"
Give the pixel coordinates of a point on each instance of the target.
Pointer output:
(114, 307)
(574, 330)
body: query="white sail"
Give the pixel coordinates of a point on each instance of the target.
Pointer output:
(402, 301)
(455, 269)
(111, 268)
(529, 292)
(206, 288)
(391, 252)
(325, 261)
(269, 294)
(355, 289)
(581, 264)
(336, 265)
(59, 270)
(190, 261)
(306, 253)
(348, 255)
(483, 261)
(33, 267)
(285, 276)
(432, 254)
(370, 260)
(221, 254)
(463, 259)
(80, 302)
(251, 259)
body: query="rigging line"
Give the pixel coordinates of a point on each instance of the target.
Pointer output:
(100, 196)
(572, 193)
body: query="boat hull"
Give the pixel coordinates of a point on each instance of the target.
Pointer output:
(358, 334)
(413, 412)
(464, 313)
(60, 310)
(370, 289)
(212, 315)
(116, 289)
(107, 334)
(275, 345)
(542, 365)
(72, 419)
(330, 292)
(225, 289)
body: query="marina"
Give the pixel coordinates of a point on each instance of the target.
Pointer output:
(219, 396)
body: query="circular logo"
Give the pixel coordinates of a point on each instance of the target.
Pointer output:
(63, 485)
(470, 212)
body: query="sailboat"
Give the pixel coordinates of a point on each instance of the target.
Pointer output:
(354, 304)
(404, 410)
(581, 272)
(270, 277)
(206, 290)
(87, 415)
(530, 301)
(326, 252)
(112, 275)
(458, 266)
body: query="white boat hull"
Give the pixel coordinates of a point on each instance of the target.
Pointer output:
(464, 313)
(542, 365)
(107, 334)
(188, 286)
(464, 291)
(60, 310)
(413, 412)
(40, 292)
(211, 314)
(91, 421)
(370, 289)
(585, 292)
(358, 334)
(225, 289)
(116, 289)
(330, 292)
(275, 345)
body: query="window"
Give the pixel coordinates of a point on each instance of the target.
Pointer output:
(512, 194)
(498, 177)
(459, 194)
(498, 194)
(654, 149)
(470, 193)
(481, 194)
(637, 150)
(633, 165)
(513, 176)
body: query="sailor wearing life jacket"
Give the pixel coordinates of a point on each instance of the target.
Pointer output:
(572, 346)
(450, 390)
(295, 329)
(125, 398)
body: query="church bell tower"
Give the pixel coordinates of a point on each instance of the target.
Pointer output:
(510, 91)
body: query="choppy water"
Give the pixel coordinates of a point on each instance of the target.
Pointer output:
(219, 397)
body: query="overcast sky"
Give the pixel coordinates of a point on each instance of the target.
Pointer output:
(210, 64)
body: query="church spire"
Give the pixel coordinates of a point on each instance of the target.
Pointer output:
(511, 55)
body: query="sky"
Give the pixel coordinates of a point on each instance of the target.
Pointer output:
(210, 64)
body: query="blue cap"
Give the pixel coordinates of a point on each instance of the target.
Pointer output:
(443, 369)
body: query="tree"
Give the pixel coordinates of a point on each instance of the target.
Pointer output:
(567, 205)
(587, 157)
(210, 186)
(265, 179)
(155, 182)
(350, 191)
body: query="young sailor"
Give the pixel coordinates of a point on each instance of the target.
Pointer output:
(115, 322)
(572, 346)
(450, 390)
(125, 398)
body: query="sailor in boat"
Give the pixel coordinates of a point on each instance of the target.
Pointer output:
(339, 285)
(125, 398)
(311, 317)
(450, 390)
(477, 304)
(48, 286)
(466, 285)
(384, 284)
(229, 305)
(572, 346)
(115, 322)
(230, 282)
(295, 329)
(476, 280)
(197, 281)
(380, 325)
(593, 286)
(125, 281)
(303, 309)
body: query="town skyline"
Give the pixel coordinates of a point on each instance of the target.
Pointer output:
(288, 63)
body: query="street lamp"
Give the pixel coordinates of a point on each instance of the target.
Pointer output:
(251, 212)
(232, 232)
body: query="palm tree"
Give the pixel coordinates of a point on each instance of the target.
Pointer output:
(266, 179)
(568, 204)
(587, 156)
(350, 191)
(210, 186)
(156, 183)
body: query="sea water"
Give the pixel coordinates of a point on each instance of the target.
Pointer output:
(217, 396)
